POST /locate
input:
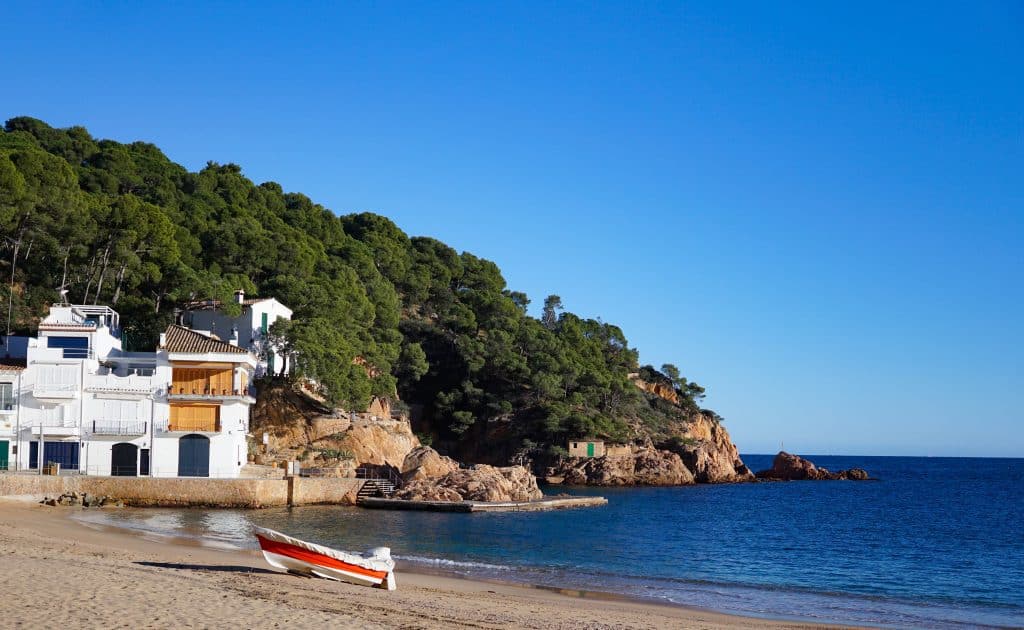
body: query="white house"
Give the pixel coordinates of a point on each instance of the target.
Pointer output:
(10, 385)
(249, 329)
(84, 403)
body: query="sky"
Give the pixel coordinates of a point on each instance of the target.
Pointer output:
(816, 210)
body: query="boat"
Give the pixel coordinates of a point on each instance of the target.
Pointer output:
(373, 568)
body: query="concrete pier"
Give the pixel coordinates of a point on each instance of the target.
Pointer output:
(187, 491)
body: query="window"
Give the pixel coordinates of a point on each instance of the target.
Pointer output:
(6, 397)
(74, 347)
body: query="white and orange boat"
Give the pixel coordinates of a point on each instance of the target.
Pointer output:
(373, 568)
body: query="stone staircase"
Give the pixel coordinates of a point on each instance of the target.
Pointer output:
(376, 488)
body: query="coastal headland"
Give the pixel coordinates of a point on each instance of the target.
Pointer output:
(111, 579)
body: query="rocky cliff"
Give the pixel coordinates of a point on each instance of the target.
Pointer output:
(698, 451)
(642, 467)
(302, 429)
(708, 452)
(661, 390)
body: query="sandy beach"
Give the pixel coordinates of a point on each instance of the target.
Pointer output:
(60, 573)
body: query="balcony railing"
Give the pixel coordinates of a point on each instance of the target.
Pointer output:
(65, 423)
(192, 426)
(218, 393)
(117, 427)
(55, 390)
(129, 385)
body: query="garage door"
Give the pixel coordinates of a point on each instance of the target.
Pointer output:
(194, 456)
(63, 453)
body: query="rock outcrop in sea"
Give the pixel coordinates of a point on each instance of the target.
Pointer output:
(479, 483)
(788, 467)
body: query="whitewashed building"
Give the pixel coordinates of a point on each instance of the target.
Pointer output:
(10, 385)
(82, 402)
(249, 329)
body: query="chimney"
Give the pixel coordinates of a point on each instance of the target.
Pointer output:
(240, 296)
(234, 336)
(163, 339)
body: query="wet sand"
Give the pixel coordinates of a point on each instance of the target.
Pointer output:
(58, 572)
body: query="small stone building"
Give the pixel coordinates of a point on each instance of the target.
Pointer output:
(586, 448)
(597, 448)
(618, 450)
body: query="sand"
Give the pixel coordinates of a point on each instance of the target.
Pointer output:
(59, 573)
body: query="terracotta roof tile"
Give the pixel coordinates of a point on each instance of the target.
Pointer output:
(181, 339)
(12, 365)
(44, 325)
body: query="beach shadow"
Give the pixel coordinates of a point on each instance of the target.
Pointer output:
(226, 568)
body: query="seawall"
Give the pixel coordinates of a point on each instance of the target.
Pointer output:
(188, 492)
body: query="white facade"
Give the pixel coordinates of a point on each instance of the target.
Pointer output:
(249, 329)
(83, 402)
(10, 385)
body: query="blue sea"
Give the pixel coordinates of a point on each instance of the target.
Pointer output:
(934, 543)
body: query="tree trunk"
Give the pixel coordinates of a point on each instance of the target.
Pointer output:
(14, 266)
(103, 273)
(88, 285)
(120, 280)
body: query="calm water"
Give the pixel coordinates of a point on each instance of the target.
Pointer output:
(935, 543)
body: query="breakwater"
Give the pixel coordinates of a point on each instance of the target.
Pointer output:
(188, 491)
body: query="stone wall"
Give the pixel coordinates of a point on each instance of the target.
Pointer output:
(187, 492)
(324, 490)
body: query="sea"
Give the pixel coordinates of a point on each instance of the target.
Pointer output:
(933, 543)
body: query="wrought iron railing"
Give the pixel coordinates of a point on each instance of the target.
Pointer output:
(117, 427)
(382, 473)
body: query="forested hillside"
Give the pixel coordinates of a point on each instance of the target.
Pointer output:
(120, 224)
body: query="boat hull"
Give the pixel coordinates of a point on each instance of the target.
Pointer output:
(297, 556)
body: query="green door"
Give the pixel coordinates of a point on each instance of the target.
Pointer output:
(4, 447)
(590, 449)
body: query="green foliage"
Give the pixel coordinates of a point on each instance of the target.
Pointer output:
(375, 311)
(333, 453)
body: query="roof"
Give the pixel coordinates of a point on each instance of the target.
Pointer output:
(84, 326)
(181, 339)
(209, 305)
(12, 365)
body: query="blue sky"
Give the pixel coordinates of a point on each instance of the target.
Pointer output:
(815, 211)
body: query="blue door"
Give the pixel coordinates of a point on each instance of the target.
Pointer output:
(194, 456)
(123, 457)
(63, 453)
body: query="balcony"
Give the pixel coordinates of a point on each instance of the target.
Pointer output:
(208, 394)
(55, 391)
(190, 426)
(117, 427)
(52, 426)
(134, 386)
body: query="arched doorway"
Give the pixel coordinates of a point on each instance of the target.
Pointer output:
(194, 456)
(124, 460)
